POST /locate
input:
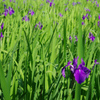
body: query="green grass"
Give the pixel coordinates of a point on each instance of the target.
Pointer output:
(31, 59)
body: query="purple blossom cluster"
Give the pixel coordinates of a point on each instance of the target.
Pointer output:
(83, 23)
(84, 16)
(9, 10)
(39, 25)
(88, 10)
(81, 72)
(60, 15)
(50, 3)
(76, 38)
(76, 3)
(66, 9)
(13, 1)
(91, 36)
(97, 4)
(26, 18)
(70, 38)
(31, 12)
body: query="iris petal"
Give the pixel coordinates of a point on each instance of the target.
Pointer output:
(1, 36)
(2, 25)
(82, 62)
(80, 76)
(96, 62)
(91, 36)
(85, 69)
(75, 62)
(63, 69)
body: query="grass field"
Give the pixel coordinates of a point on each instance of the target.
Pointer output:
(49, 50)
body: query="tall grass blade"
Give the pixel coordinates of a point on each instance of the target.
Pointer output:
(80, 54)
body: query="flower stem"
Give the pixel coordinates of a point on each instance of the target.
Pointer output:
(80, 54)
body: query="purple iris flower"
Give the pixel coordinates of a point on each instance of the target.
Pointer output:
(48, 1)
(32, 12)
(91, 36)
(98, 23)
(78, 2)
(63, 69)
(99, 17)
(86, 15)
(74, 66)
(97, 5)
(83, 17)
(70, 38)
(10, 10)
(23, 18)
(40, 25)
(5, 12)
(2, 25)
(66, 9)
(82, 67)
(80, 76)
(82, 23)
(26, 18)
(76, 38)
(12, 0)
(60, 15)
(88, 10)
(95, 63)
(75, 62)
(1, 36)
(5, 6)
(51, 3)
(96, 2)
(59, 35)
(80, 73)
(74, 3)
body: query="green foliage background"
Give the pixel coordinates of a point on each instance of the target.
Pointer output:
(31, 59)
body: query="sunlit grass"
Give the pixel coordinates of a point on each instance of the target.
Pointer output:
(31, 59)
